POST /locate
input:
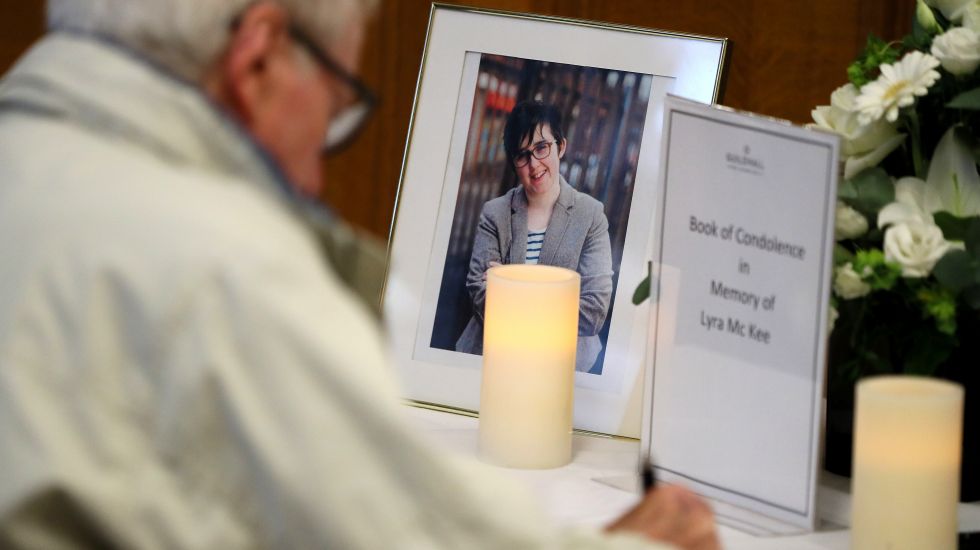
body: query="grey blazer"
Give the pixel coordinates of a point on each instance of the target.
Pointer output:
(577, 238)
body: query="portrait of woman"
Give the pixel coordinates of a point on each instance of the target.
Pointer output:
(549, 158)
(542, 220)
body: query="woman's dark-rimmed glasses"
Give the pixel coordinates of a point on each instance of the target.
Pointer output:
(541, 150)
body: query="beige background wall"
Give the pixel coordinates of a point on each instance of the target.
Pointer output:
(785, 57)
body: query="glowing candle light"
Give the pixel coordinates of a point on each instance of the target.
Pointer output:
(907, 439)
(529, 339)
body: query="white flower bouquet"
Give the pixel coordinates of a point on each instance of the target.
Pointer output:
(907, 277)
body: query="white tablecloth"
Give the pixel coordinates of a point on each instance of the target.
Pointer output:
(580, 493)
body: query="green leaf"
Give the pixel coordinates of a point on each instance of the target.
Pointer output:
(956, 270)
(927, 351)
(940, 304)
(972, 238)
(865, 68)
(869, 191)
(924, 26)
(875, 270)
(919, 36)
(842, 255)
(966, 100)
(954, 228)
(855, 74)
(972, 296)
(642, 291)
(847, 191)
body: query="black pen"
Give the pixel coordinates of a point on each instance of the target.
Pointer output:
(647, 475)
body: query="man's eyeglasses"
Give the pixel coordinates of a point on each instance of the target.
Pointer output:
(349, 122)
(541, 150)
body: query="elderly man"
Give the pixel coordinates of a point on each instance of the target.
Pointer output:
(179, 366)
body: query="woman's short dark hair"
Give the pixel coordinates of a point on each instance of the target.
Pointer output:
(524, 120)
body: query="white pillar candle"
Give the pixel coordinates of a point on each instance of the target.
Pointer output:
(905, 488)
(529, 337)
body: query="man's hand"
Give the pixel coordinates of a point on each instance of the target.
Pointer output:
(672, 514)
(491, 264)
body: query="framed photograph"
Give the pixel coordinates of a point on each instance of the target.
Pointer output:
(534, 139)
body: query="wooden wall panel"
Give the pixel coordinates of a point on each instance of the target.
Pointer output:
(785, 57)
(21, 22)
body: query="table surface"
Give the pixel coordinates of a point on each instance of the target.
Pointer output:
(575, 494)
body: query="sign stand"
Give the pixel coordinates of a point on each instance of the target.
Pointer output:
(742, 267)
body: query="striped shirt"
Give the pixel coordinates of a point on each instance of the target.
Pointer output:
(534, 241)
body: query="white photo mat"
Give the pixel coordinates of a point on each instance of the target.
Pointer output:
(689, 66)
(733, 397)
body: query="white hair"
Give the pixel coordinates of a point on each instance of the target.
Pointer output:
(187, 36)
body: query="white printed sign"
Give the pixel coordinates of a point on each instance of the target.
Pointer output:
(742, 271)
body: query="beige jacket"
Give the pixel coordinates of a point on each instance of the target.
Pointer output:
(577, 239)
(178, 366)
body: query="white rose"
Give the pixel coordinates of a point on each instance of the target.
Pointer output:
(971, 18)
(958, 49)
(848, 283)
(848, 223)
(864, 145)
(952, 9)
(832, 316)
(916, 246)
